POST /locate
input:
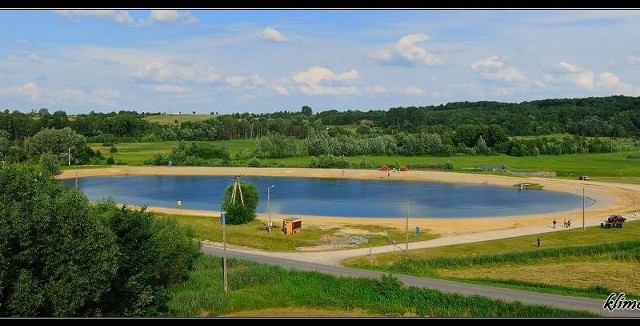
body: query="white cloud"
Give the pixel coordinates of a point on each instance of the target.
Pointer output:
(491, 62)
(280, 87)
(407, 50)
(245, 82)
(318, 81)
(579, 76)
(172, 72)
(612, 81)
(170, 16)
(634, 59)
(567, 67)
(30, 89)
(316, 75)
(171, 89)
(123, 16)
(34, 58)
(116, 16)
(271, 35)
(493, 68)
(410, 90)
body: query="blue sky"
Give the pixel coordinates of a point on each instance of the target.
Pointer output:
(271, 60)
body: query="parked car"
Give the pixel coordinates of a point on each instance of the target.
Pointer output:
(584, 177)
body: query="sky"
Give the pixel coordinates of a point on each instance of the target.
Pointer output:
(263, 61)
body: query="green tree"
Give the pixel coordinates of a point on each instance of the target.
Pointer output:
(55, 258)
(307, 111)
(243, 210)
(154, 253)
(50, 163)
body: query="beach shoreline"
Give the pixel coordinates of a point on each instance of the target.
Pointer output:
(609, 199)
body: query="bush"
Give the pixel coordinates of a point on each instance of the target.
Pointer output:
(254, 162)
(50, 163)
(329, 161)
(113, 149)
(111, 161)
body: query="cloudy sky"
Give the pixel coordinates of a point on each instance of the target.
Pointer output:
(271, 60)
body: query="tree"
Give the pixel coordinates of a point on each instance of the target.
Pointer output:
(306, 110)
(50, 163)
(58, 142)
(240, 211)
(154, 253)
(55, 258)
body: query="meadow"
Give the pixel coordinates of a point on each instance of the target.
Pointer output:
(592, 262)
(264, 290)
(616, 167)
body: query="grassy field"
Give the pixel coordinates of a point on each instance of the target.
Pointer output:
(173, 118)
(591, 262)
(137, 153)
(260, 288)
(618, 167)
(254, 235)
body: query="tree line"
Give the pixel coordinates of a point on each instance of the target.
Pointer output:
(476, 128)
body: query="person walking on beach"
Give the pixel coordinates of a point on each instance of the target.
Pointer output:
(569, 223)
(554, 223)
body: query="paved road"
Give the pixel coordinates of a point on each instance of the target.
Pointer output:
(558, 301)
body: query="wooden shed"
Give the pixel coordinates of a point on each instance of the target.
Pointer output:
(290, 226)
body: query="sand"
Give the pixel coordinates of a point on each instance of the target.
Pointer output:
(610, 198)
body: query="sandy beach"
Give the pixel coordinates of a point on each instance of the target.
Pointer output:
(610, 198)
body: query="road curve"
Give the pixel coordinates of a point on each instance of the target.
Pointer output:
(558, 301)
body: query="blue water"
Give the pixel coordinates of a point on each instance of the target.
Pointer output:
(333, 197)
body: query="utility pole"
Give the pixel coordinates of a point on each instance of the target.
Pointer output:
(269, 207)
(407, 224)
(224, 251)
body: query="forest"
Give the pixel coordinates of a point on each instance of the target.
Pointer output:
(459, 128)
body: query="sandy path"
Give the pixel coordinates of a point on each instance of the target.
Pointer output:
(610, 198)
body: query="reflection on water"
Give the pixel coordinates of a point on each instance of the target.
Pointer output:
(333, 197)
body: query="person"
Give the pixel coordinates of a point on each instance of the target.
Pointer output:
(565, 223)
(554, 223)
(569, 223)
(538, 242)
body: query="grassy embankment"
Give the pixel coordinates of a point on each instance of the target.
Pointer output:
(592, 262)
(264, 290)
(255, 236)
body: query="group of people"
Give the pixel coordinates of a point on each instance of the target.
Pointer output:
(566, 224)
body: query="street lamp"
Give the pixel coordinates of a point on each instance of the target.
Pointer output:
(269, 208)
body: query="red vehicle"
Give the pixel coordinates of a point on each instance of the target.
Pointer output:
(614, 221)
(384, 168)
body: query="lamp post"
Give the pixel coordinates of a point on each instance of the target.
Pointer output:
(269, 208)
(224, 251)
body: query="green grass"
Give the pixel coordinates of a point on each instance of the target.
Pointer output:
(137, 153)
(253, 286)
(252, 235)
(607, 260)
(170, 119)
(619, 166)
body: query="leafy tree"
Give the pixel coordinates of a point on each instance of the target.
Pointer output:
(50, 163)
(240, 211)
(58, 142)
(55, 258)
(154, 253)
(307, 111)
